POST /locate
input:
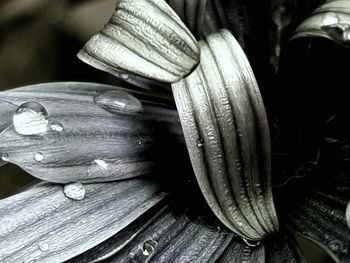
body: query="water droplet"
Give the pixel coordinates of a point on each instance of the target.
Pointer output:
(148, 247)
(200, 143)
(38, 156)
(98, 168)
(251, 243)
(347, 215)
(5, 157)
(30, 118)
(101, 163)
(43, 246)
(336, 245)
(124, 76)
(329, 19)
(75, 191)
(119, 102)
(56, 126)
(240, 223)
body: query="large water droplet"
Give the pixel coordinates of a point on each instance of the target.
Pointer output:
(5, 157)
(30, 118)
(148, 247)
(38, 156)
(75, 191)
(119, 102)
(329, 19)
(43, 246)
(56, 126)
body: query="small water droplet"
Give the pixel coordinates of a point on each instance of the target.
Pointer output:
(124, 76)
(329, 19)
(75, 191)
(98, 168)
(336, 245)
(56, 126)
(5, 157)
(240, 223)
(43, 246)
(119, 102)
(38, 156)
(200, 143)
(30, 118)
(148, 247)
(101, 163)
(251, 243)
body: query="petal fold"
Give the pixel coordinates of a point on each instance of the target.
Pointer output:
(227, 136)
(144, 38)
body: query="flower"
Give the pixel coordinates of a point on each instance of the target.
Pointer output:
(118, 184)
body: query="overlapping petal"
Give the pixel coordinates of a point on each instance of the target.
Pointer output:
(64, 132)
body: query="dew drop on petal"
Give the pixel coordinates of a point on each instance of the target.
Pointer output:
(98, 168)
(38, 156)
(75, 191)
(119, 102)
(56, 126)
(200, 143)
(336, 245)
(30, 118)
(148, 247)
(251, 243)
(43, 246)
(329, 19)
(5, 157)
(124, 76)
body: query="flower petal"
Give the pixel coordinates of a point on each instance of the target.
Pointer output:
(88, 132)
(178, 234)
(320, 215)
(145, 38)
(227, 136)
(331, 20)
(42, 224)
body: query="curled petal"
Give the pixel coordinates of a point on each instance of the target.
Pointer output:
(227, 136)
(331, 20)
(64, 132)
(145, 38)
(42, 225)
